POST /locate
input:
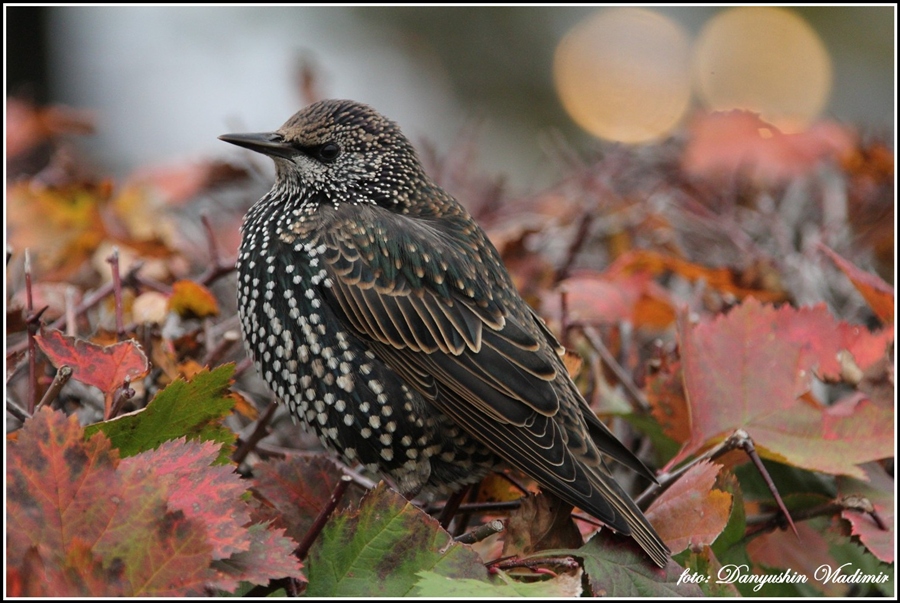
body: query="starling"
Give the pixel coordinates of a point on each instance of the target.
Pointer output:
(377, 309)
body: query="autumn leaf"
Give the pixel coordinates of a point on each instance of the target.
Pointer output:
(759, 281)
(748, 370)
(598, 298)
(879, 489)
(191, 299)
(84, 523)
(617, 567)
(28, 125)
(691, 513)
(210, 494)
(61, 225)
(104, 367)
(69, 503)
(295, 490)
(665, 394)
(541, 522)
(723, 144)
(877, 293)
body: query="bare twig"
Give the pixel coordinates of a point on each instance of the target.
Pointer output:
(220, 349)
(637, 397)
(750, 449)
(241, 367)
(149, 283)
(117, 292)
(17, 411)
(63, 374)
(564, 324)
(86, 304)
(452, 506)
(31, 329)
(71, 327)
(218, 267)
(259, 432)
(481, 532)
(482, 507)
(323, 516)
(767, 522)
(535, 564)
(119, 398)
(584, 225)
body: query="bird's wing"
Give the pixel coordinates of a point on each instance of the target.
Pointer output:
(492, 369)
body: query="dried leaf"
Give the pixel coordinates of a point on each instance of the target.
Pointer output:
(665, 393)
(725, 280)
(541, 522)
(295, 490)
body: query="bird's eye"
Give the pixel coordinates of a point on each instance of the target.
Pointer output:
(328, 152)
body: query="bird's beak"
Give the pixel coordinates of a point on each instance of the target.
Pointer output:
(267, 143)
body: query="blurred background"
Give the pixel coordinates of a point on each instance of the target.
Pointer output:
(164, 82)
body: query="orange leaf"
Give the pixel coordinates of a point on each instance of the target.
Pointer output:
(877, 293)
(243, 406)
(191, 299)
(665, 393)
(759, 281)
(62, 225)
(599, 298)
(105, 367)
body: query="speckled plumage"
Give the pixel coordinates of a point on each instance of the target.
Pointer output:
(380, 313)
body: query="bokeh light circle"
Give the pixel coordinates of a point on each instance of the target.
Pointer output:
(766, 60)
(624, 74)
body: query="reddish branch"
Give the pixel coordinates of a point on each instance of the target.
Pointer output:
(259, 432)
(218, 267)
(117, 292)
(323, 516)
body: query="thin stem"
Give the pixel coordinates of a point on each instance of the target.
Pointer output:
(635, 394)
(220, 349)
(86, 304)
(117, 291)
(218, 267)
(323, 516)
(63, 374)
(481, 532)
(259, 432)
(31, 329)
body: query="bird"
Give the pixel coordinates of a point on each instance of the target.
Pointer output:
(379, 312)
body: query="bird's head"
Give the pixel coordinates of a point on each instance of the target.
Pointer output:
(344, 150)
